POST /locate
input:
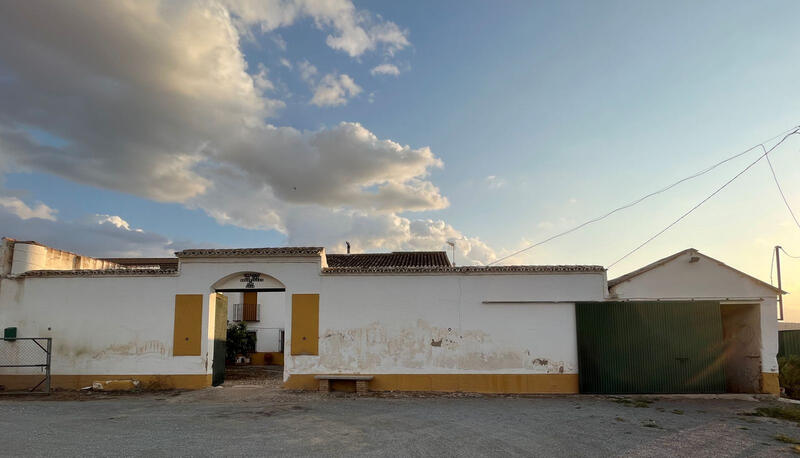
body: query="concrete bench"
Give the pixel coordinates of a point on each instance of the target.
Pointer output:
(362, 381)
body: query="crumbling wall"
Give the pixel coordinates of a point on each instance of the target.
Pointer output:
(27, 256)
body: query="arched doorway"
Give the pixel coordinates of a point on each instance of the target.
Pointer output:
(254, 301)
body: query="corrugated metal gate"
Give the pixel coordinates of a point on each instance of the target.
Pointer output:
(788, 343)
(650, 347)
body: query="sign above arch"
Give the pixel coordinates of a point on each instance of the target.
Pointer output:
(248, 281)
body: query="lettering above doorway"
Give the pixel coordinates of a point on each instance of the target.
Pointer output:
(250, 280)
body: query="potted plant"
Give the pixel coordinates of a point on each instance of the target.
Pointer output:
(239, 343)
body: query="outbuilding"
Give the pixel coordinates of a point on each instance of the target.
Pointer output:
(687, 323)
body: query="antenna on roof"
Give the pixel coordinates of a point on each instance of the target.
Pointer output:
(452, 244)
(348, 246)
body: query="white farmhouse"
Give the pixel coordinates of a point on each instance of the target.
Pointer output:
(389, 321)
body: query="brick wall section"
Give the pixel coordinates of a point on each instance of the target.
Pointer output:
(325, 385)
(362, 386)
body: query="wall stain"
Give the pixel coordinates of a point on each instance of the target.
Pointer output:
(422, 346)
(132, 348)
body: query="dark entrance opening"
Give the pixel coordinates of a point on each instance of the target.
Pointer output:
(741, 331)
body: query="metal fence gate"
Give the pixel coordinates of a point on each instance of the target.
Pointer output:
(26, 352)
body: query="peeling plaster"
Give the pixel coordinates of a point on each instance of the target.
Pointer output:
(421, 347)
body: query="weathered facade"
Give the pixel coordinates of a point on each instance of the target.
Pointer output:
(410, 321)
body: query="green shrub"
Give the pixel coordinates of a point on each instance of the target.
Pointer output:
(791, 413)
(239, 341)
(790, 375)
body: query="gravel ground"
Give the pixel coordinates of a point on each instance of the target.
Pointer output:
(260, 419)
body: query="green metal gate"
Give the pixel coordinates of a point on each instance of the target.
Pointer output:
(788, 343)
(650, 347)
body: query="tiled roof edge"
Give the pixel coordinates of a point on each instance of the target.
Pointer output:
(99, 273)
(466, 269)
(229, 252)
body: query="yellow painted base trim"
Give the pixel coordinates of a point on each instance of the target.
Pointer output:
(259, 358)
(770, 383)
(277, 358)
(471, 383)
(76, 382)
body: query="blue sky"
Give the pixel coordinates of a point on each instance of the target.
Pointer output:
(542, 114)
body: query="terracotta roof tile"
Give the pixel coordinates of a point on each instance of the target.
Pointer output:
(393, 259)
(250, 252)
(98, 273)
(465, 269)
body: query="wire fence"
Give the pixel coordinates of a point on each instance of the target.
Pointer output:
(27, 354)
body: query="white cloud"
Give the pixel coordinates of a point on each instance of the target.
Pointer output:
(369, 232)
(385, 69)
(262, 82)
(307, 71)
(96, 235)
(334, 90)
(279, 41)
(20, 209)
(183, 119)
(495, 182)
(113, 220)
(354, 31)
(285, 62)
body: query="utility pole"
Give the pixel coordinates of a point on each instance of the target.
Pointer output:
(780, 289)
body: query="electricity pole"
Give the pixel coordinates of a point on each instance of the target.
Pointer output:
(780, 289)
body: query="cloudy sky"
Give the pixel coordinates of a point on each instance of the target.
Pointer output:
(142, 127)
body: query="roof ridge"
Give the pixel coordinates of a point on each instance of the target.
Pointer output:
(264, 251)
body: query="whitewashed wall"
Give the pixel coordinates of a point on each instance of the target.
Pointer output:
(268, 330)
(706, 278)
(99, 325)
(124, 324)
(436, 324)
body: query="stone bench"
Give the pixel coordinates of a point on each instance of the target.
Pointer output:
(362, 381)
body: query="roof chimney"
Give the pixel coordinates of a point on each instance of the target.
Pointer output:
(348, 247)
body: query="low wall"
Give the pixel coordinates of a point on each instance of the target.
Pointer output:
(102, 328)
(483, 333)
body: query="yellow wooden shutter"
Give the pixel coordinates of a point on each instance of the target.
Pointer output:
(305, 324)
(250, 306)
(188, 331)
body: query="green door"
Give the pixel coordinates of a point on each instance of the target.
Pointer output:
(220, 335)
(650, 347)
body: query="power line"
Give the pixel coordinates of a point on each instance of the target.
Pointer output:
(766, 152)
(787, 254)
(783, 196)
(639, 200)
